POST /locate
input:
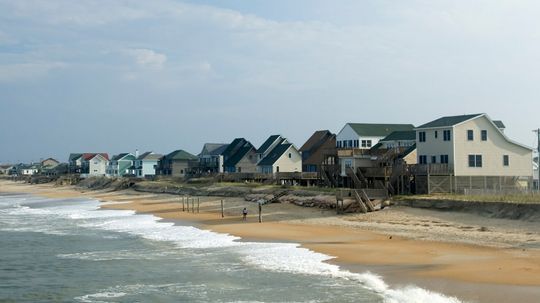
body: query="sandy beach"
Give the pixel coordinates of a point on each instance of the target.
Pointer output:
(473, 258)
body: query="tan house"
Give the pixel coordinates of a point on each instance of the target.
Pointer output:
(177, 164)
(284, 157)
(50, 162)
(473, 146)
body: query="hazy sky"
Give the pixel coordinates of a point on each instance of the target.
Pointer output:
(113, 76)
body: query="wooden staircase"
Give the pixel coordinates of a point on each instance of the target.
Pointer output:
(275, 199)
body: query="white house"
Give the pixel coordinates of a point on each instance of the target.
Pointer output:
(146, 164)
(284, 157)
(472, 145)
(97, 165)
(366, 135)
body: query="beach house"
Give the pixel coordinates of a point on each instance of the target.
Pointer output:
(49, 162)
(177, 163)
(278, 155)
(211, 158)
(95, 164)
(240, 156)
(475, 151)
(356, 141)
(145, 165)
(318, 149)
(120, 164)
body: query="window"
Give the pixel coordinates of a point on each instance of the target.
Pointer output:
(436, 134)
(470, 135)
(350, 143)
(239, 169)
(433, 159)
(338, 143)
(446, 135)
(422, 136)
(422, 159)
(366, 143)
(444, 159)
(290, 155)
(475, 160)
(356, 143)
(484, 135)
(506, 160)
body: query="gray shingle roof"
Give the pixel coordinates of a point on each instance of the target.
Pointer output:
(267, 144)
(180, 155)
(274, 155)
(378, 130)
(214, 149)
(232, 161)
(401, 136)
(449, 121)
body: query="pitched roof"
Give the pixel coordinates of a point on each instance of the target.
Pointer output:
(316, 140)
(401, 136)
(213, 149)
(88, 156)
(274, 155)
(122, 155)
(150, 156)
(408, 151)
(378, 130)
(499, 124)
(233, 147)
(448, 121)
(234, 159)
(74, 156)
(180, 155)
(267, 144)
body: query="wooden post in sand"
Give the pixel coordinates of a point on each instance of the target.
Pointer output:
(193, 205)
(187, 204)
(260, 213)
(198, 204)
(183, 205)
(222, 213)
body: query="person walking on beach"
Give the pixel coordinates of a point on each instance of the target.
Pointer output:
(244, 214)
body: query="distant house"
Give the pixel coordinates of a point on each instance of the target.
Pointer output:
(49, 162)
(282, 158)
(97, 164)
(366, 135)
(28, 169)
(177, 163)
(240, 157)
(119, 165)
(79, 163)
(57, 170)
(145, 165)
(472, 145)
(356, 143)
(317, 149)
(6, 169)
(269, 145)
(211, 158)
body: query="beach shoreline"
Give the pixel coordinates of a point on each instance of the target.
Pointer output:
(502, 272)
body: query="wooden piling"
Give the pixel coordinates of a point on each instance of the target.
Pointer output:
(198, 204)
(260, 213)
(222, 211)
(183, 205)
(193, 205)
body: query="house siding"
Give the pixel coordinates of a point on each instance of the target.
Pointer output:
(286, 164)
(435, 146)
(248, 164)
(492, 151)
(97, 166)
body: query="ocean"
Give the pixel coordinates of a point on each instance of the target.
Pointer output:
(70, 250)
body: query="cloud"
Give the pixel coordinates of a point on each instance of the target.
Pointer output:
(148, 58)
(27, 71)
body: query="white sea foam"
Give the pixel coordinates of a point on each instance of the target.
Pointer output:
(280, 257)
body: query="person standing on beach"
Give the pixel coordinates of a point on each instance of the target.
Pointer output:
(244, 214)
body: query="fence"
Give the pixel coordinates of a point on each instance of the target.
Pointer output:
(473, 185)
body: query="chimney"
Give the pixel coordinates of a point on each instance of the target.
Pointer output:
(136, 153)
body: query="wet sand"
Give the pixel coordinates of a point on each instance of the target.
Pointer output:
(475, 259)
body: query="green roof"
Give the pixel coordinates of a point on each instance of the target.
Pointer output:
(401, 136)
(180, 155)
(128, 156)
(449, 121)
(378, 130)
(274, 155)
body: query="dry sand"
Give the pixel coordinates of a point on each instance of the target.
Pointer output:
(470, 257)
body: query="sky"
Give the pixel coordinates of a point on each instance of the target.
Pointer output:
(161, 75)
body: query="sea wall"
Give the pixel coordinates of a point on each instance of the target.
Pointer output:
(503, 210)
